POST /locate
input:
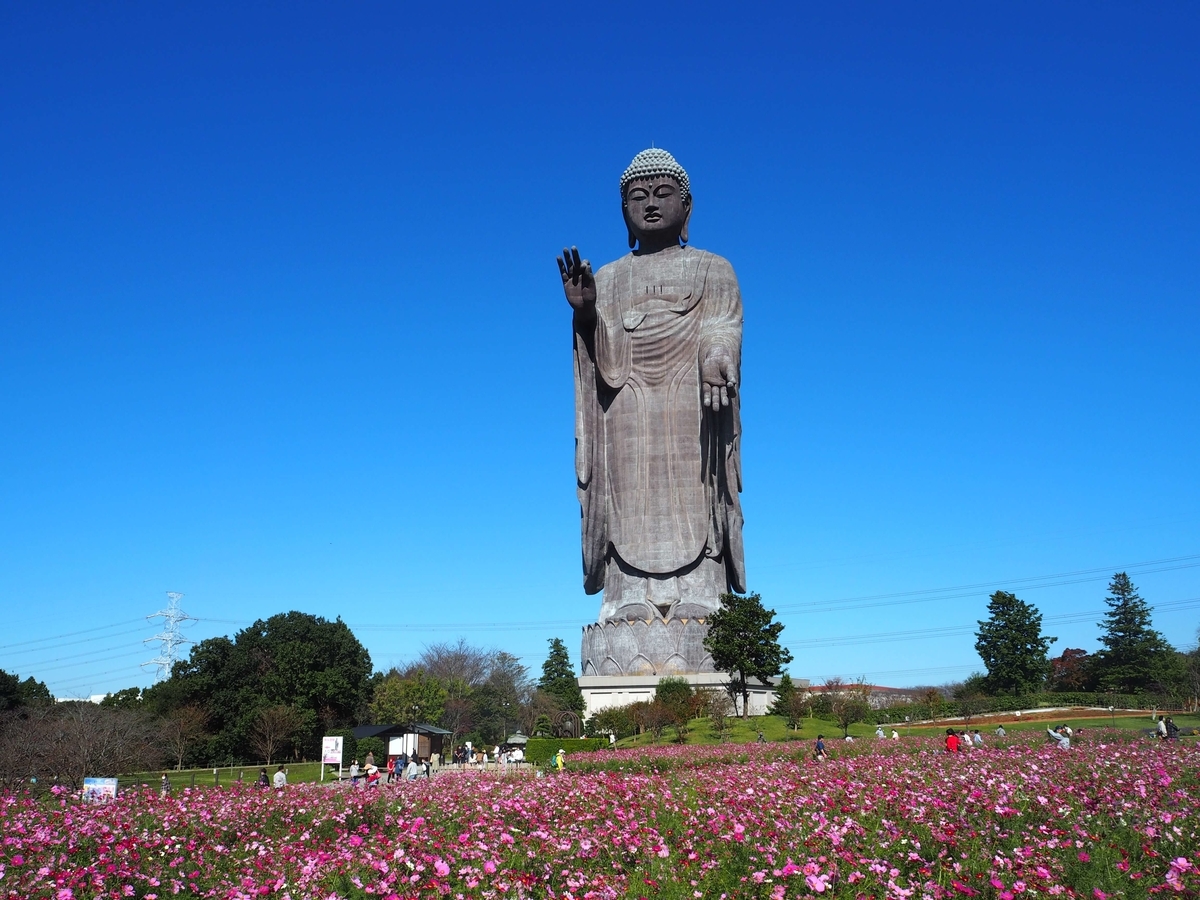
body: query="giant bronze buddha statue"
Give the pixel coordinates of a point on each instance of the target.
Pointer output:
(658, 337)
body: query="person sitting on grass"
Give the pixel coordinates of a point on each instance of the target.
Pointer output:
(951, 741)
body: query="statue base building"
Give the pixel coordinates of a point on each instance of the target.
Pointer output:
(644, 647)
(606, 691)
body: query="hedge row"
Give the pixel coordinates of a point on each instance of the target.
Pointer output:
(980, 705)
(541, 750)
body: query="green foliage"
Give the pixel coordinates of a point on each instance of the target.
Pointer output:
(558, 678)
(540, 750)
(292, 659)
(614, 720)
(1008, 703)
(370, 745)
(847, 702)
(498, 702)
(1135, 657)
(129, 698)
(1011, 645)
(676, 695)
(790, 704)
(743, 639)
(415, 699)
(15, 693)
(975, 685)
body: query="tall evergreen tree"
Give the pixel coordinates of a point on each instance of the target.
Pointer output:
(1134, 654)
(744, 641)
(558, 678)
(1011, 645)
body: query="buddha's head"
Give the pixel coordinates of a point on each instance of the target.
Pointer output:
(656, 200)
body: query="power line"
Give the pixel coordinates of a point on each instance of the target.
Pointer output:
(70, 665)
(969, 590)
(86, 640)
(846, 603)
(925, 671)
(953, 630)
(69, 634)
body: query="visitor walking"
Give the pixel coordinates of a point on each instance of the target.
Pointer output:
(355, 773)
(819, 750)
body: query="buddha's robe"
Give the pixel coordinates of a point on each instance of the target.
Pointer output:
(658, 473)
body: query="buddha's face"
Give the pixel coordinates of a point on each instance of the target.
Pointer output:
(654, 208)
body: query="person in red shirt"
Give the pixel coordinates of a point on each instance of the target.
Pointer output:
(951, 741)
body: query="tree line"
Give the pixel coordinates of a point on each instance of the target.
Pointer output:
(1133, 658)
(269, 693)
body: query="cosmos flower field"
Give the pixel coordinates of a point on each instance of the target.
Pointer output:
(1115, 816)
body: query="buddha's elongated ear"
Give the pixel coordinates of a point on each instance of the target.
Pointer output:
(628, 228)
(683, 232)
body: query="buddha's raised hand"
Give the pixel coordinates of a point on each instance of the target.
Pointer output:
(578, 283)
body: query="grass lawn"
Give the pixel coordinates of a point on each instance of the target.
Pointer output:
(739, 731)
(297, 773)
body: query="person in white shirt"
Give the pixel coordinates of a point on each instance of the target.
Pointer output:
(280, 779)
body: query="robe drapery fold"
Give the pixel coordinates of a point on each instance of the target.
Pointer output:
(658, 474)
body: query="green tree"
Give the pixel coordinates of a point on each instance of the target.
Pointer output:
(1134, 655)
(848, 703)
(744, 642)
(790, 703)
(558, 678)
(293, 659)
(498, 704)
(16, 693)
(614, 720)
(678, 698)
(1011, 645)
(128, 698)
(406, 701)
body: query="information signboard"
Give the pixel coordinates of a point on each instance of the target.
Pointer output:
(331, 750)
(99, 790)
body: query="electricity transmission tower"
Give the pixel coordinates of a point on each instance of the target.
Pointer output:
(170, 638)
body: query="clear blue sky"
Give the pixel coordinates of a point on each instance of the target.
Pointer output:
(280, 325)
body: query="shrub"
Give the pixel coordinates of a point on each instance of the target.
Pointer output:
(541, 750)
